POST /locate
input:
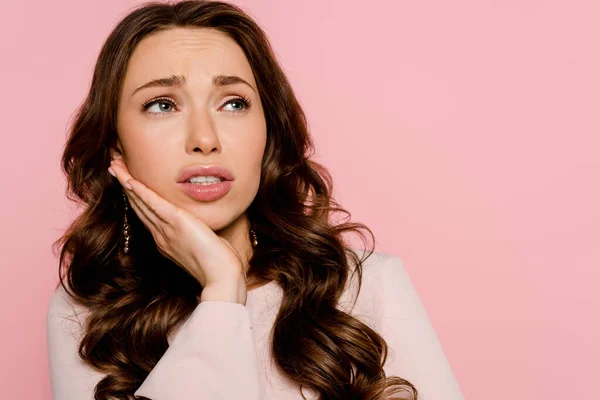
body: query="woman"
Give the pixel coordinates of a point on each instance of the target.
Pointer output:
(204, 264)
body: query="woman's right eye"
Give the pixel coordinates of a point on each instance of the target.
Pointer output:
(158, 106)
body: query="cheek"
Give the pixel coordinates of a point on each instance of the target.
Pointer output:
(254, 151)
(248, 155)
(247, 140)
(146, 158)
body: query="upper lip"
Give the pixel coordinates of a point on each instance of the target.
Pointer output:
(203, 170)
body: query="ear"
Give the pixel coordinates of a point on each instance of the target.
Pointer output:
(116, 151)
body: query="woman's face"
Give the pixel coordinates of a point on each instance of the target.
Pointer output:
(202, 120)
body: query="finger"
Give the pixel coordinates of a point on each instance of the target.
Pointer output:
(120, 172)
(157, 206)
(125, 178)
(154, 230)
(142, 215)
(152, 220)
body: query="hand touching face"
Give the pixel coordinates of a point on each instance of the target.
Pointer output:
(185, 239)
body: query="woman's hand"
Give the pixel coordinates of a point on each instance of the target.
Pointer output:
(186, 240)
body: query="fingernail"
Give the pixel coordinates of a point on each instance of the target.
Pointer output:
(110, 171)
(127, 185)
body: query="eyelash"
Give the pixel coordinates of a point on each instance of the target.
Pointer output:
(241, 99)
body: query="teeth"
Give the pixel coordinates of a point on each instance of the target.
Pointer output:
(205, 179)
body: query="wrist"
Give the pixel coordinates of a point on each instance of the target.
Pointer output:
(231, 292)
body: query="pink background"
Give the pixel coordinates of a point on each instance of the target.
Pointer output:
(464, 133)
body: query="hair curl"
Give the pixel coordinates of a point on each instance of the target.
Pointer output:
(140, 297)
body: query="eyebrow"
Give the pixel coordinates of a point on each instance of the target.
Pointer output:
(179, 80)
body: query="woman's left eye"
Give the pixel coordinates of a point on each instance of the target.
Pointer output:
(239, 104)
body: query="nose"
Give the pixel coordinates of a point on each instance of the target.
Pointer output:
(203, 134)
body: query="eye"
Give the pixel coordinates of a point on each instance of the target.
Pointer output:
(163, 104)
(239, 104)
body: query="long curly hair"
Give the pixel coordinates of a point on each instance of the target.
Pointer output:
(140, 297)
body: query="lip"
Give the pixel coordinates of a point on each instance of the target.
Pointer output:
(202, 170)
(210, 192)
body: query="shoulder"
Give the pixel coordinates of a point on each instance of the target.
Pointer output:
(380, 262)
(383, 271)
(392, 306)
(63, 314)
(395, 292)
(70, 376)
(393, 279)
(384, 284)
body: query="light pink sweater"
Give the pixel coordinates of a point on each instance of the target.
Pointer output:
(222, 350)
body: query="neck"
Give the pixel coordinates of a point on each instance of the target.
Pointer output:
(238, 235)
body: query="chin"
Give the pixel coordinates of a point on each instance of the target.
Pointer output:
(215, 217)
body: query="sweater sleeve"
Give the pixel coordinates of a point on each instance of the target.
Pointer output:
(212, 356)
(414, 351)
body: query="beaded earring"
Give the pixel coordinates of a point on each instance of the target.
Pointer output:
(125, 225)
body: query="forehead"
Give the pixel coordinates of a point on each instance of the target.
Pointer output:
(197, 53)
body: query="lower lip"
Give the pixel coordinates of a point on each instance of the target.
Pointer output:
(206, 192)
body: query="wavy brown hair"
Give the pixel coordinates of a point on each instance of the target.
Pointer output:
(140, 297)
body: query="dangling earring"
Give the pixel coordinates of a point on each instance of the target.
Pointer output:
(254, 240)
(126, 225)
